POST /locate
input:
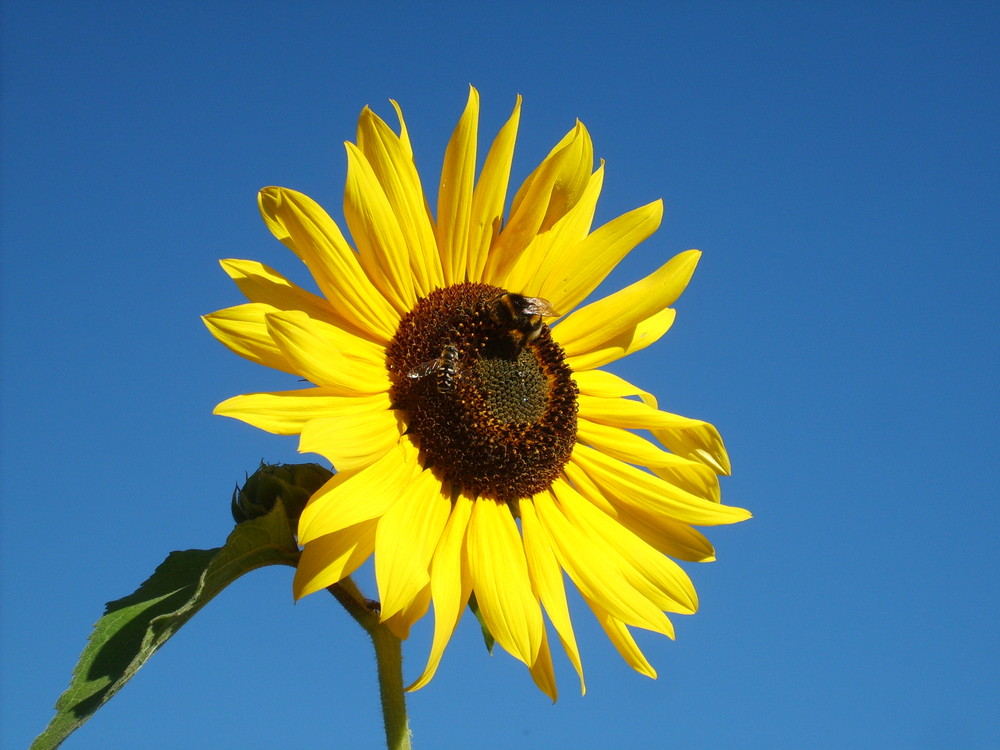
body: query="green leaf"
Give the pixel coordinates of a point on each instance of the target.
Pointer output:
(487, 635)
(133, 628)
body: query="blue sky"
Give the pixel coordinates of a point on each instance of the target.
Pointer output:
(837, 163)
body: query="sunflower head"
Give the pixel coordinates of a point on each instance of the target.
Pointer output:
(479, 451)
(487, 391)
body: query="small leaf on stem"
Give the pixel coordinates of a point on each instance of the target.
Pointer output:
(487, 635)
(133, 628)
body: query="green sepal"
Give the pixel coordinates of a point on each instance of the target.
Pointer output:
(134, 627)
(487, 635)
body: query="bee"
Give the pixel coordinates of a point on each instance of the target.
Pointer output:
(447, 365)
(522, 314)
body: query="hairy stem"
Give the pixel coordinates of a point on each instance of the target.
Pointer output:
(389, 660)
(389, 654)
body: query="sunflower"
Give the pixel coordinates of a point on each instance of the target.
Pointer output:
(479, 448)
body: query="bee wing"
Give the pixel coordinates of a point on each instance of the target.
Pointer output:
(426, 368)
(539, 306)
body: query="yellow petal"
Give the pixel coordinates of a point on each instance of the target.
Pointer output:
(375, 228)
(401, 622)
(542, 673)
(586, 486)
(500, 578)
(451, 584)
(563, 176)
(690, 438)
(578, 268)
(622, 639)
(287, 412)
(351, 497)
(404, 135)
(333, 557)
(638, 337)
(547, 254)
(392, 163)
(351, 441)
(666, 535)
(328, 334)
(576, 223)
(327, 355)
(650, 573)
(549, 192)
(691, 476)
(407, 535)
(301, 224)
(546, 576)
(608, 385)
(596, 574)
(454, 206)
(489, 196)
(635, 486)
(591, 328)
(261, 283)
(662, 532)
(244, 331)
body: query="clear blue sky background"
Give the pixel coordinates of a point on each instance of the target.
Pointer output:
(838, 165)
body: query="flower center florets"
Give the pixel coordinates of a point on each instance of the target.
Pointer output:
(488, 395)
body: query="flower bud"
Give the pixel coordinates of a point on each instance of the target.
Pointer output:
(293, 484)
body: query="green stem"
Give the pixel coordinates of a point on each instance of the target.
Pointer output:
(389, 659)
(349, 595)
(389, 654)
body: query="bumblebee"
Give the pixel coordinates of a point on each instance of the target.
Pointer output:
(447, 365)
(522, 314)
